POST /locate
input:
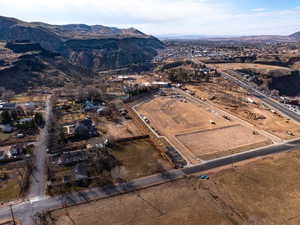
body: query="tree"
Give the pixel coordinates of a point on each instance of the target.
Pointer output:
(38, 119)
(14, 115)
(5, 117)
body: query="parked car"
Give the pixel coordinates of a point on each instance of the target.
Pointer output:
(203, 177)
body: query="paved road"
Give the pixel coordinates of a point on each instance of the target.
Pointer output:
(39, 202)
(38, 178)
(25, 210)
(268, 100)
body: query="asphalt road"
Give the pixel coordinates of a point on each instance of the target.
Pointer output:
(268, 100)
(38, 177)
(38, 202)
(24, 211)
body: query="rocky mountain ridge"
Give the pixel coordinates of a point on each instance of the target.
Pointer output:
(93, 47)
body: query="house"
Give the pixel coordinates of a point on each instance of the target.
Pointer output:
(85, 129)
(25, 120)
(80, 171)
(68, 158)
(7, 128)
(15, 151)
(250, 101)
(28, 106)
(8, 106)
(89, 106)
(69, 129)
(103, 111)
(161, 84)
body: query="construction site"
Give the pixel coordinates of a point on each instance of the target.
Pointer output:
(231, 98)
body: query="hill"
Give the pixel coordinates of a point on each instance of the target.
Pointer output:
(25, 65)
(295, 35)
(93, 47)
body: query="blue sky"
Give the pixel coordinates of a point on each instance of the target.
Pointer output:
(203, 17)
(265, 4)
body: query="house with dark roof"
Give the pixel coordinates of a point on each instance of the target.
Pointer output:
(89, 106)
(80, 171)
(86, 129)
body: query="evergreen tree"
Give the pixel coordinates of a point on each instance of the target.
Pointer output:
(5, 117)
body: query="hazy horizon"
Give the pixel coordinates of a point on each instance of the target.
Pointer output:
(166, 17)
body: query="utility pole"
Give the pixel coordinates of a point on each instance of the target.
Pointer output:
(12, 215)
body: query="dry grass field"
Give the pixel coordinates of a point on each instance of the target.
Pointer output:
(261, 192)
(23, 99)
(138, 158)
(232, 99)
(189, 127)
(11, 186)
(71, 118)
(238, 66)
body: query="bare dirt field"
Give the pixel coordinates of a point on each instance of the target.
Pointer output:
(173, 116)
(197, 130)
(261, 192)
(123, 129)
(234, 100)
(220, 139)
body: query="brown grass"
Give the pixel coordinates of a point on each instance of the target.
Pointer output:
(139, 158)
(237, 66)
(265, 191)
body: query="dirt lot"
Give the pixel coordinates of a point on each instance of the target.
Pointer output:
(184, 123)
(262, 192)
(173, 116)
(204, 142)
(71, 118)
(232, 99)
(122, 129)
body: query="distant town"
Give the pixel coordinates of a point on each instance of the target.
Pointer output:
(160, 132)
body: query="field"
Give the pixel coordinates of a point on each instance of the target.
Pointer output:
(265, 191)
(233, 99)
(204, 142)
(23, 99)
(121, 129)
(11, 185)
(71, 118)
(197, 130)
(139, 158)
(238, 66)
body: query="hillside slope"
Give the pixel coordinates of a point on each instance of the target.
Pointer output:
(295, 35)
(94, 47)
(27, 65)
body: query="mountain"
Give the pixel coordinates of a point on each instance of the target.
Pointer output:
(295, 35)
(25, 65)
(94, 47)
